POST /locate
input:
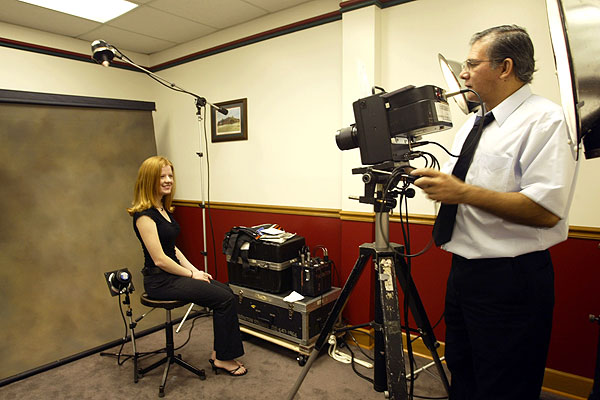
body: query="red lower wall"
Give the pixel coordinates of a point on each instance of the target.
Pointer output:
(576, 263)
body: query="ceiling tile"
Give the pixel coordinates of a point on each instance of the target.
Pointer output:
(40, 18)
(216, 13)
(125, 40)
(276, 5)
(160, 25)
(154, 26)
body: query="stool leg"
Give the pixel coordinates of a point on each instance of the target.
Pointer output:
(191, 368)
(169, 336)
(161, 388)
(170, 358)
(170, 349)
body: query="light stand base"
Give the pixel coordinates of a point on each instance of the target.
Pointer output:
(135, 355)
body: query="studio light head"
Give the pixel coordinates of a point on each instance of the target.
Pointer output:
(102, 52)
(119, 281)
(456, 89)
(387, 124)
(574, 27)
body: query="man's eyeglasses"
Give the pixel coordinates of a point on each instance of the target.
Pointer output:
(469, 64)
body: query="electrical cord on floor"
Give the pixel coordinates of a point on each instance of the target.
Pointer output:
(150, 353)
(124, 336)
(343, 357)
(353, 360)
(353, 364)
(206, 314)
(430, 398)
(349, 333)
(139, 355)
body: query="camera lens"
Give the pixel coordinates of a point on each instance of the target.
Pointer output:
(346, 138)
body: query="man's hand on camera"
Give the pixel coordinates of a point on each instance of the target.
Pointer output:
(440, 186)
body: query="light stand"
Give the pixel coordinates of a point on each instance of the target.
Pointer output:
(200, 154)
(389, 372)
(595, 395)
(119, 283)
(200, 103)
(103, 53)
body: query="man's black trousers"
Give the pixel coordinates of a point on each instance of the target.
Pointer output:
(498, 323)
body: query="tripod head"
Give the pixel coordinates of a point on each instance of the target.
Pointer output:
(381, 181)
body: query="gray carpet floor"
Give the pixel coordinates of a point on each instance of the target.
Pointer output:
(273, 370)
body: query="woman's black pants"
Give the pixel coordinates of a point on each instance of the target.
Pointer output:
(214, 295)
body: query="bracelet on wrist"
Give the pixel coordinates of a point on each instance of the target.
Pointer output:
(191, 274)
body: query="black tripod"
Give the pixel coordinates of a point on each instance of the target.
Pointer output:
(389, 371)
(132, 325)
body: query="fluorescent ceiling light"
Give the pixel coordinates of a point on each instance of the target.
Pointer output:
(96, 10)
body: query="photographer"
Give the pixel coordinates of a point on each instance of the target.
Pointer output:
(500, 213)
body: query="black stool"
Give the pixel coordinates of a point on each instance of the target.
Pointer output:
(170, 358)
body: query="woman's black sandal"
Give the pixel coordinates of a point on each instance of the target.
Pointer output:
(232, 372)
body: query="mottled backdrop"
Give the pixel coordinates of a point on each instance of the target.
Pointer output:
(67, 176)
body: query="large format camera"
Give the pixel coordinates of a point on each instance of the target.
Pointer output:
(389, 124)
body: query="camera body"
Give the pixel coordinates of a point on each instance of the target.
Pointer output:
(388, 123)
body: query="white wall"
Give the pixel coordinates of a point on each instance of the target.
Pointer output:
(417, 31)
(412, 36)
(27, 71)
(299, 89)
(292, 84)
(285, 17)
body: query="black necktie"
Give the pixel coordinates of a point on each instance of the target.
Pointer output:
(444, 223)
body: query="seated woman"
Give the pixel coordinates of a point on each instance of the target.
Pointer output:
(168, 275)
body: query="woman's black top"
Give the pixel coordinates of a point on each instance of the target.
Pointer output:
(167, 234)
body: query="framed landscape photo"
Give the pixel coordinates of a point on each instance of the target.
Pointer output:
(234, 125)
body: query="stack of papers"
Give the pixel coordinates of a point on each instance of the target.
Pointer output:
(293, 297)
(273, 233)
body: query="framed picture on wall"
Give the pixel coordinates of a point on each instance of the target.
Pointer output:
(234, 125)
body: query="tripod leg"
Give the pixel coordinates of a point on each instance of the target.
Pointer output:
(379, 368)
(135, 353)
(333, 316)
(392, 329)
(418, 312)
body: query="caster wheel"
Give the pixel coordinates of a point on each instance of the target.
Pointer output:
(301, 359)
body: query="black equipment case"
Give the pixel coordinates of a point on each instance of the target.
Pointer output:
(299, 322)
(311, 277)
(260, 264)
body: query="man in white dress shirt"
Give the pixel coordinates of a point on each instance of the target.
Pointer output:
(511, 206)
